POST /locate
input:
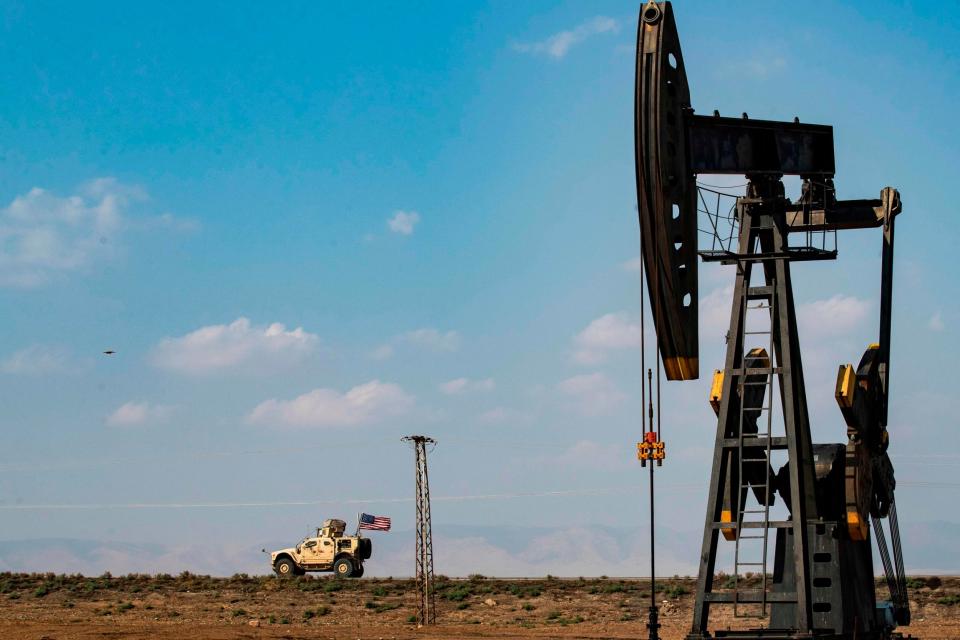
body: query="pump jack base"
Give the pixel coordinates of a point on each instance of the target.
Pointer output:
(787, 634)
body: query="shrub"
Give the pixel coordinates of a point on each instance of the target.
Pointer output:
(675, 591)
(458, 593)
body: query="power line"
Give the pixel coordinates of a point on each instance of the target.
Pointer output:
(306, 503)
(560, 493)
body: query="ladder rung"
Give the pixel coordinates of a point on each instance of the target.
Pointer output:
(749, 524)
(742, 537)
(751, 597)
(770, 524)
(756, 371)
(751, 564)
(753, 460)
(776, 442)
(756, 333)
(759, 293)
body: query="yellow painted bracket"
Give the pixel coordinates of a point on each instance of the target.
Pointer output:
(729, 533)
(846, 383)
(716, 391)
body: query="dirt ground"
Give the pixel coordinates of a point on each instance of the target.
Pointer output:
(52, 607)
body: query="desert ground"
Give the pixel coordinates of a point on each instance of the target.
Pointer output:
(57, 607)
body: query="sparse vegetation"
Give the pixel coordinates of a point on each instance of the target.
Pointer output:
(378, 603)
(675, 591)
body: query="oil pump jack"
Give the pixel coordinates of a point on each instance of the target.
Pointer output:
(822, 579)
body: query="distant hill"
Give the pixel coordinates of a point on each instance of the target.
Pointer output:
(929, 548)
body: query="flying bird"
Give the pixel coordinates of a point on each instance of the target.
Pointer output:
(109, 352)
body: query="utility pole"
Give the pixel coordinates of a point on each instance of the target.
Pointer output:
(426, 609)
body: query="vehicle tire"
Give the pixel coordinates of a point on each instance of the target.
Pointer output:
(366, 548)
(358, 572)
(285, 568)
(299, 571)
(343, 568)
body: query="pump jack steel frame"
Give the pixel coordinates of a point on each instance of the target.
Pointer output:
(822, 584)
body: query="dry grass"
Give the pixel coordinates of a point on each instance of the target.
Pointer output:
(188, 605)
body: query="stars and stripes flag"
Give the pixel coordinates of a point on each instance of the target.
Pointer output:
(374, 523)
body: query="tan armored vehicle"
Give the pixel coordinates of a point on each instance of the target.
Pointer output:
(329, 550)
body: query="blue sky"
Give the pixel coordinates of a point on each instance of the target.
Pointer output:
(310, 229)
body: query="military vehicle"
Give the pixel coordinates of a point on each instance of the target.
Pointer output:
(329, 550)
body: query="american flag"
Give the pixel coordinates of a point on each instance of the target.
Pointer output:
(375, 523)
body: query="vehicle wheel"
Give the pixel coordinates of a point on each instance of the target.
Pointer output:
(358, 572)
(285, 568)
(343, 568)
(366, 548)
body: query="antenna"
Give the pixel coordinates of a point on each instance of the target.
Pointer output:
(426, 607)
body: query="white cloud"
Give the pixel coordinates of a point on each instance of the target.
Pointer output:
(235, 346)
(433, 339)
(425, 338)
(589, 454)
(632, 265)
(714, 309)
(38, 359)
(504, 415)
(321, 408)
(833, 316)
(170, 221)
(764, 66)
(611, 332)
(592, 393)
(138, 413)
(462, 385)
(43, 235)
(559, 44)
(403, 222)
(383, 352)
(936, 322)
